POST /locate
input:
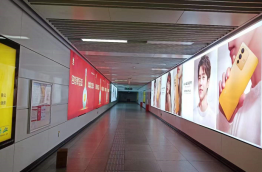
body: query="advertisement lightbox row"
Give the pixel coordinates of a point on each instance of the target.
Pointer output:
(88, 89)
(219, 89)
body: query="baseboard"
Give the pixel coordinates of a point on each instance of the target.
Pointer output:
(34, 164)
(206, 149)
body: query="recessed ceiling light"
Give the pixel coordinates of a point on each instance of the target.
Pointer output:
(119, 80)
(107, 67)
(105, 40)
(15, 37)
(111, 62)
(140, 81)
(103, 67)
(162, 64)
(170, 42)
(158, 69)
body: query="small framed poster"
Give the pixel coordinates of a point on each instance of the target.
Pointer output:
(40, 108)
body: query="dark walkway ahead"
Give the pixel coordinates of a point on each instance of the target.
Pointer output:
(127, 138)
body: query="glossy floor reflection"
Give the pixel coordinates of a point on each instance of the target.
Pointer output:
(126, 138)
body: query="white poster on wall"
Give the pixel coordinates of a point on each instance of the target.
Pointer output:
(40, 111)
(163, 92)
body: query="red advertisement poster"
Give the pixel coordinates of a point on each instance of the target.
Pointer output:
(98, 91)
(104, 91)
(81, 87)
(87, 88)
(91, 86)
(107, 84)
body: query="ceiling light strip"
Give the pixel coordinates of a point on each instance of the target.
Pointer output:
(105, 40)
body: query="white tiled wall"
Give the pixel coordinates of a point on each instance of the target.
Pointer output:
(38, 67)
(42, 58)
(239, 153)
(59, 94)
(6, 158)
(23, 93)
(10, 18)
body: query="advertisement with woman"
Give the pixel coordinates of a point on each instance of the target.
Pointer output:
(173, 90)
(168, 103)
(166, 91)
(178, 90)
(158, 92)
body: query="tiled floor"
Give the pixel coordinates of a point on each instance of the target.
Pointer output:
(127, 139)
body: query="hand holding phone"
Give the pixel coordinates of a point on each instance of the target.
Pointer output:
(232, 87)
(222, 84)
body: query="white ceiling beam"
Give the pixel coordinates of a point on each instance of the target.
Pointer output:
(142, 15)
(215, 18)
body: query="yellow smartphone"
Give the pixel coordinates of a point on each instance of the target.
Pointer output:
(177, 95)
(242, 70)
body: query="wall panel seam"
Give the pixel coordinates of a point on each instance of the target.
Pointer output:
(46, 56)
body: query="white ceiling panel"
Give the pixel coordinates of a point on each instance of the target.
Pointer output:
(144, 15)
(214, 18)
(240, 6)
(73, 12)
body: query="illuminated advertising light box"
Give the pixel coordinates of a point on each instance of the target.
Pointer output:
(98, 91)
(113, 93)
(108, 92)
(9, 62)
(104, 91)
(85, 87)
(220, 88)
(107, 87)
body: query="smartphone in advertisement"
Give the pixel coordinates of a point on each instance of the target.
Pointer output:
(241, 72)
